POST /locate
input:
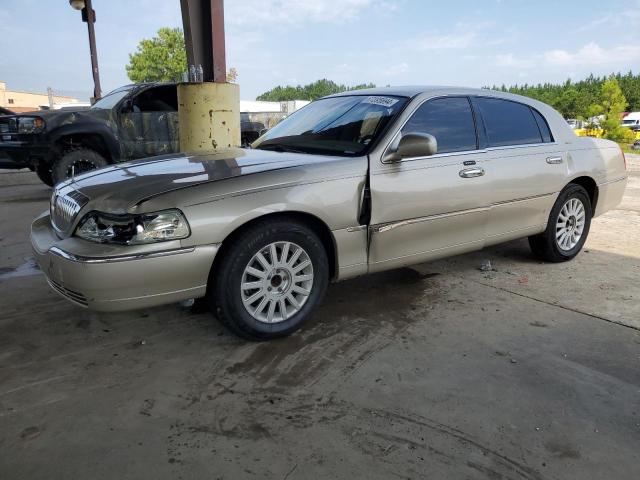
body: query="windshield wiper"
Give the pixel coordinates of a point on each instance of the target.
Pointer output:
(276, 147)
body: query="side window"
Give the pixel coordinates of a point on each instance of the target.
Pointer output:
(508, 123)
(450, 120)
(158, 99)
(543, 126)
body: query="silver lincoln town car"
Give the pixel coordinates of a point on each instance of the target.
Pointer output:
(351, 184)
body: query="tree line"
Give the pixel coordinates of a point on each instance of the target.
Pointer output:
(571, 99)
(575, 99)
(604, 98)
(311, 91)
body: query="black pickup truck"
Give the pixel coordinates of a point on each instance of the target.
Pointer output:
(130, 122)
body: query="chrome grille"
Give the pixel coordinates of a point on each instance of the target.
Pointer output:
(65, 205)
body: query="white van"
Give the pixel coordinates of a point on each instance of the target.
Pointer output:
(632, 121)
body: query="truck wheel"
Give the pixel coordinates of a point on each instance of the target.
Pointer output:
(43, 170)
(567, 228)
(76, 161)
(270, 279)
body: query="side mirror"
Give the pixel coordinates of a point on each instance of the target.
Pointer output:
(411, 145)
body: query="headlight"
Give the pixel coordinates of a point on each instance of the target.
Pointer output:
(30, 124)
(133, 229)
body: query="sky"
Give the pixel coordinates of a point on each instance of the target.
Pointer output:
(288, 42)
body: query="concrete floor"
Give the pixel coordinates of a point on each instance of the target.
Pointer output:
(531, 371)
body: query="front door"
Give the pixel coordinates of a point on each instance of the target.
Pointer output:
(150, 126)
(430, 207)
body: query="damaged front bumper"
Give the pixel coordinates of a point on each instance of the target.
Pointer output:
(119, 277)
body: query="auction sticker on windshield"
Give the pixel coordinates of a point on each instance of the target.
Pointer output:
(384, 101)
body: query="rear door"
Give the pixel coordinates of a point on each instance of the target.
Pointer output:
(429, 207)
(527, 167)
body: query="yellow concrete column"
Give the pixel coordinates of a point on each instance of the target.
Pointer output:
(209, 116)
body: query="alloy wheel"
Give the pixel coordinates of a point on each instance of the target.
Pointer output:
(570, 224)
(277, 282)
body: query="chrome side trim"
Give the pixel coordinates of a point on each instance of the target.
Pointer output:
(390, 226)
(520, 145)
(615, 180)
(468, 152)
(359, 228)
(524, 199)
(119, 258)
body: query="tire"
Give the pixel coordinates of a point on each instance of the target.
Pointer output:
(567, 228)
(289, 238)
(43, 170)
(76, 161)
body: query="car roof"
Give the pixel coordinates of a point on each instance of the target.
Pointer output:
(142, 85)
(414, 90)
(400, 91)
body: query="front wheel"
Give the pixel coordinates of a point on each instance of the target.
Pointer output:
(567, 228)
(270, 279)
(75, 161)
(43, 170)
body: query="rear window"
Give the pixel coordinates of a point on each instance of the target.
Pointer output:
(508, 123)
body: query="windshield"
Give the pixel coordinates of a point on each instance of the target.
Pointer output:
(333, 126)
(111, 99)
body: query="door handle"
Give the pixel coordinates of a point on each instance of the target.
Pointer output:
(554, 160)
(471, 172)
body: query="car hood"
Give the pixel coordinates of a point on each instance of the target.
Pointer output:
(119, 187)
(57, 118)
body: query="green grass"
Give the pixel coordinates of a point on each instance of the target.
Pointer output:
(626, 148)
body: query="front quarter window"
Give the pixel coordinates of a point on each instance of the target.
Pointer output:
(345, 125)
(111, 99)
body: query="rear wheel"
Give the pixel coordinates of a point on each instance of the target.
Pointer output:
(269, 281)
(567, 228)
(76, 161)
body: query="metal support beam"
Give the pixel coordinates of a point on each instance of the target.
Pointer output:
(203, 24)
(209, 112)
(91, 19)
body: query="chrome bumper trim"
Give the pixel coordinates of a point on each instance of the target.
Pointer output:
(119, 258)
